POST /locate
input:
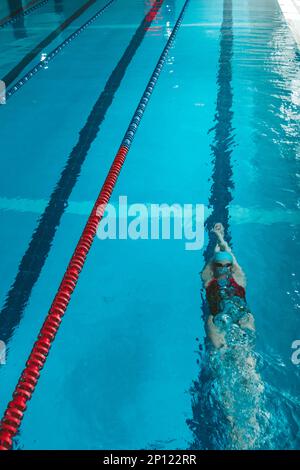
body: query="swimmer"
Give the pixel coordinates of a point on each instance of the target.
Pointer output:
(225, 284)
(232, 360)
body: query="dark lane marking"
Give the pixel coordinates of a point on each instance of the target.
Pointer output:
(51, 55)
(36, 254)
(223, 142)
(202, 424)
(20, 11)
(15, 72)
(58, 6)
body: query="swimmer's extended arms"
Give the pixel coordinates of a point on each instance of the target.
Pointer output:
(237, 271)
(207, 274)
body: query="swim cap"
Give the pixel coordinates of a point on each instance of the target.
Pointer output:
(223, 256)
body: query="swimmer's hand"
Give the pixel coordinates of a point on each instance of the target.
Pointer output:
(247, 323)
(217, 338)
(218, 230)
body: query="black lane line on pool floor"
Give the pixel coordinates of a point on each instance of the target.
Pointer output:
(35, 256)
(223, 141)
(220, 198)
(19, 13)
(13, 74)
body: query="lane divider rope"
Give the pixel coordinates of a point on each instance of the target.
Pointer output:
(15, 410)
(44, 62)
(22, 12)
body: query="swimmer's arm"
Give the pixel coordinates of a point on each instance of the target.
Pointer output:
(238, 274)
(207, 273)
(249, 324)
(217, 338)
(237, 271)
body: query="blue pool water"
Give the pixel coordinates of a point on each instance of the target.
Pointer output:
(128, 368)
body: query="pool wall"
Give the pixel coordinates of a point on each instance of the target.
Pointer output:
(291, 12)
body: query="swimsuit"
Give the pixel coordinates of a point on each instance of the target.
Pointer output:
(227, 303)
(218, 292)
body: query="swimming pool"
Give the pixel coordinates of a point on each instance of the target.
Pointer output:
(221, 129)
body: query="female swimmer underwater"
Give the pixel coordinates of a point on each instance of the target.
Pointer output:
(232, 359)
(225, 284)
